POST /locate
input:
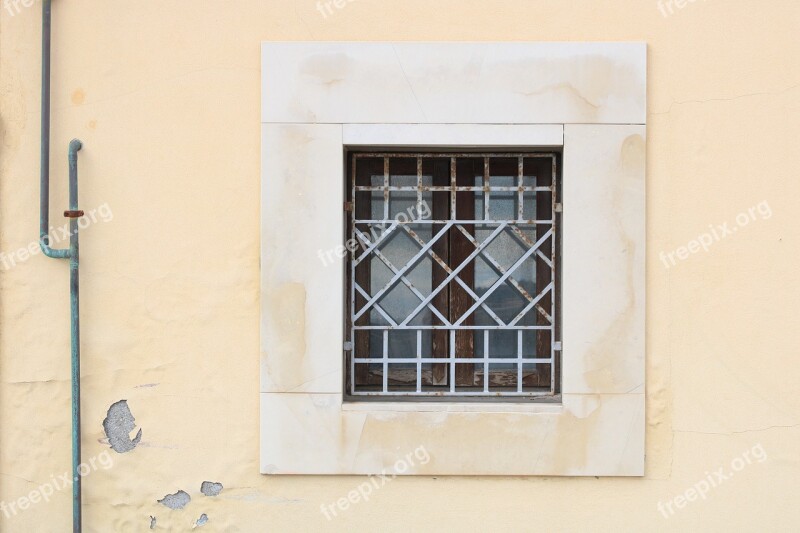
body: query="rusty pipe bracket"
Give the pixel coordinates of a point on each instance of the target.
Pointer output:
(73, 214)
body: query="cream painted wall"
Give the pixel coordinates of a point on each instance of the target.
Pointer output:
(165, 96)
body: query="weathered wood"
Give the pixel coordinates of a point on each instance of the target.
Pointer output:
(543, 170)
(497, 378)
(363, 168)
(440, 210)
(460, 249)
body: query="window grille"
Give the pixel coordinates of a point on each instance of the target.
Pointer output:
(452, 275)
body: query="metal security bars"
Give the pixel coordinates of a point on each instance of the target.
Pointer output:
(452, 274)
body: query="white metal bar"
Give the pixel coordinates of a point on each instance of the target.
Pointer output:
(386, 188)
(486, 360)
(502, 278)
(497, 266)
(383, 313)
(455, 272)
(462, 326)
(386, 361)
(524, 238)
(459, 360)
(468, 222)
(447, 269)
(448, 188)
(419, 186)
(419, 360)
(452, 361)
(544, 258)
(408, 284)
(533, 302)
(455, 394)
(401, 273)
(371, 155)
(453, 188)
(519, 361)
(554, 200)
(520, 197)
(544, 313)
(539, 253)
(382, 237)
(353, 283)
(486, 188)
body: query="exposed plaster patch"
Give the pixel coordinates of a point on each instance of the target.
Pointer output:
(176, 501)
(211, 488)
(201, 521)
(118, 424)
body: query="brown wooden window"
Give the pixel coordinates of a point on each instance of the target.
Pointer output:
(453, 281)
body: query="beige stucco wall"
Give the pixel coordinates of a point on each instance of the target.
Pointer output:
(165, 96)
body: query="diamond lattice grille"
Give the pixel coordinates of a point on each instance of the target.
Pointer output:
(453, 274)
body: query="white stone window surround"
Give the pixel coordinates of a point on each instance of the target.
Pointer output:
(586, 99)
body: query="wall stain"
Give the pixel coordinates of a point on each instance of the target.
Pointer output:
(13, 112)
(570, 448)
(632, 154)
(327, 69)
(78, 96)
(607, 369)
(287, 312)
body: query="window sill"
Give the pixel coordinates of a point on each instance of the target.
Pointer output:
(551, 405)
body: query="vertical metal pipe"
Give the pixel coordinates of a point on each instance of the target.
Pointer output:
(44, 155)
(75, 326)
(72, 254)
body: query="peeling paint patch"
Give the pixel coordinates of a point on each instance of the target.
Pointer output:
(145, 385)
(118, 424)
(176, 501)
(211, 488)
(152, 522)
(201, 521)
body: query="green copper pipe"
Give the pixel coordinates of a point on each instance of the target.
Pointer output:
(71, 253)
(75, 333)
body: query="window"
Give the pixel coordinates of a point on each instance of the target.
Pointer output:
(421, 334)
(452, 274)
